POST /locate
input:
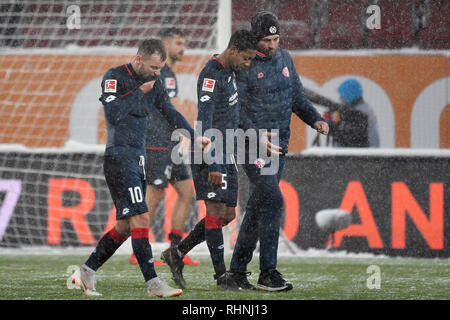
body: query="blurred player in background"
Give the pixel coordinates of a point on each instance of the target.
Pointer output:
(129, 92)
(269, 92)
(160, 169)
(355, 124)
(216, 183)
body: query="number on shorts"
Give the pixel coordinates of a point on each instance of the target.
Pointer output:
(136, 194)
(224, 181)
(168, 172)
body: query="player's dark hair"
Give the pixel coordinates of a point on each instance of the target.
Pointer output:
(243, 40)
(152, 46)
(168, 33)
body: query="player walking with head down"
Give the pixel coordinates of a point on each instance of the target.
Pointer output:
(129, 92)
(216, 183)
(160, 169)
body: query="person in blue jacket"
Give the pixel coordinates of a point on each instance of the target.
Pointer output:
(269, 91)
(129, 92)
(355, 125)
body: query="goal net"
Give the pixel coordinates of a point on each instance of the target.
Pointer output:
(54, 53)
(52, 58)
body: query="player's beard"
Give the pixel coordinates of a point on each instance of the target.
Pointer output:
(267, 52)
(144, 75)
(270, 52)
(140, 72)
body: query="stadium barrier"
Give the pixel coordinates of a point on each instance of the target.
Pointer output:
(398, 199)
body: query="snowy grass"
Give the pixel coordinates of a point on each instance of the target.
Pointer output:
(315, 274)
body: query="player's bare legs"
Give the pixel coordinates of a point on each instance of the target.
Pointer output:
(181, 207)
(153, 197)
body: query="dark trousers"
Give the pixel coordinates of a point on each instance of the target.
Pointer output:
(261, 221)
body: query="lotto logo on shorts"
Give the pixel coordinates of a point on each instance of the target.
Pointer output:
(211, 195)
(208, 85)
(111, 85)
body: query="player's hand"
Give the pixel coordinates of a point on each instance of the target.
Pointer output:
(271, 148)
(203, 142)
(147, 86)
(322, 127)
(215, 178)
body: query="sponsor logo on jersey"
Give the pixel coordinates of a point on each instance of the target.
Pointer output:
(208, 85)
(111, 85)
(233, 99)
(285, 72)
(170, 83)
(110, 98)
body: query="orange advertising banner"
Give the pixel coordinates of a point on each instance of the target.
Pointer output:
(409, 95)
(47, 100)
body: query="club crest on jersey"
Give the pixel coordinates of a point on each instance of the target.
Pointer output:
(260, 163)
(208, 85)
(260, 75)
(285, 72)
(111, 85)
(170, 83)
